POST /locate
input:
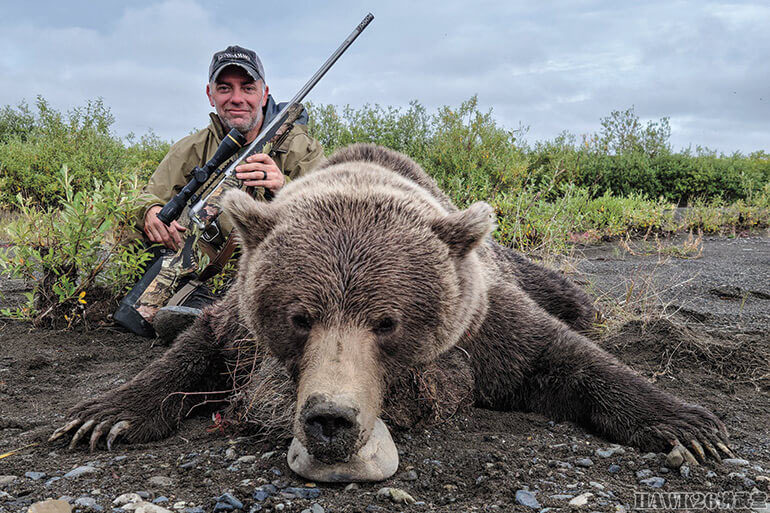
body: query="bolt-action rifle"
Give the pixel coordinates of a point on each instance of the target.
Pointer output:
(202, 194)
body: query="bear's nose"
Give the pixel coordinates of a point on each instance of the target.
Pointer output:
(326, 426)
(331, 429)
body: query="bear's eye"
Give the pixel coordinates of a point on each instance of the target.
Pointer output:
(301, 322)
(384, 326)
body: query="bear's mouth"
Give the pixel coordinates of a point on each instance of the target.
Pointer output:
(375, 461)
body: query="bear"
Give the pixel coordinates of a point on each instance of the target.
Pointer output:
(365, 296)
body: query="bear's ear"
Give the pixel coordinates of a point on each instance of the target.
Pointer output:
(462, 231)
(252, 219)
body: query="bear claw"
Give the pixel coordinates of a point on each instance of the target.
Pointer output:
(98, 432)
(116, 431)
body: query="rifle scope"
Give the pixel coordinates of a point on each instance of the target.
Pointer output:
(229, 146)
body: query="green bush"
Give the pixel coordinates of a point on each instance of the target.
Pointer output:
(67, 251)
(33, 147)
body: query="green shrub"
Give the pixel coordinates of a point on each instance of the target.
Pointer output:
(67, 251)
(33, 147)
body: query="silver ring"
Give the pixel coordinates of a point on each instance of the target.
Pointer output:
(264, 175)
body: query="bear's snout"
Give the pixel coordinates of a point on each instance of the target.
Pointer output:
(331, 429)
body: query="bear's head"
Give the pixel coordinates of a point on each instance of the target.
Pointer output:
(350, 275)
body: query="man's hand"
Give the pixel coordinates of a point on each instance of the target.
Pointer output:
(157, 231)
(260, 171)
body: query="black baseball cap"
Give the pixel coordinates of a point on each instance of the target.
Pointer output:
(236, 56)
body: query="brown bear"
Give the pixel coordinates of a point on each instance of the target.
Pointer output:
(364, 294)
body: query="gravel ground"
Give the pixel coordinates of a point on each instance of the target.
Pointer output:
(710, 346)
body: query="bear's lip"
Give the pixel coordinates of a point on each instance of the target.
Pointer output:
(375, 461)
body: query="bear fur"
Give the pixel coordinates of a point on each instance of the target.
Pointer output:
(365, 272)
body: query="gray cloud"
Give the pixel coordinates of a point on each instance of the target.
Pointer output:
(552, 66)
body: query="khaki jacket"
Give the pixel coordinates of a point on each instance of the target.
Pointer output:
(296, 156)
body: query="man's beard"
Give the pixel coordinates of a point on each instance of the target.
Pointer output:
(244, 128)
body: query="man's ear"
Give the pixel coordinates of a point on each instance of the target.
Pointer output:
(208, 93)
(465, 230)
(252, 219)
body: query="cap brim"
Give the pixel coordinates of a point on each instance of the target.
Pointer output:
(249, 69)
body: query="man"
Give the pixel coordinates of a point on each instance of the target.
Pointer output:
(239, 93)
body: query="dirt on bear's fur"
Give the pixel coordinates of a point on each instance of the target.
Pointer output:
(363, 276)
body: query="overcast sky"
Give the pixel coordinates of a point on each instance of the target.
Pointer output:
(551, 66)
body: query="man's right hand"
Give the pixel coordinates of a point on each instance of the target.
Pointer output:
(157, 231)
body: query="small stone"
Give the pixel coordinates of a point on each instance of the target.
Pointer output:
(302, 493)
(85, 502)
(527, 498)
(410, 476)
(196, 509)
(276, 471)
(50, 506)
(664, 470)
(145, 507)
(610, 451)
(263, 492)
(684, 471)
(247, 459)
(51, 481)
(736, 475)
(351, 487)
(35, 476)
(160, 481)
(227, 502)
(561, 497)
(280, 507)
(613, 469)
(80, 471)
(737, 462)
(315, 508)
(649, 456)
(584, 462)
(371, 508)
(230, 454)
(267, 455)
(144, 495)
(160, 500)
(643, 474)
(6, 480)
(581, 500)
(118, 459)
(396, 495)
(596, 485)
(653, 482)
(179, 505)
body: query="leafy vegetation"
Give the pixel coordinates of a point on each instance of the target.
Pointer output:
(65, 251)
(72, 184)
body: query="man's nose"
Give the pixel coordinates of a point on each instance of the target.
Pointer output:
(236, 96)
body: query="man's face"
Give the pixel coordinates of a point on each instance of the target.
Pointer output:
(238, 99)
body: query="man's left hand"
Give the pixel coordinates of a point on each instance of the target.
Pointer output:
(260, 171)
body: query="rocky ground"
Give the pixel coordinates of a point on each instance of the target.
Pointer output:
(698, 327)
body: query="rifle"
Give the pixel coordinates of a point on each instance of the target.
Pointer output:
(203, 205)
